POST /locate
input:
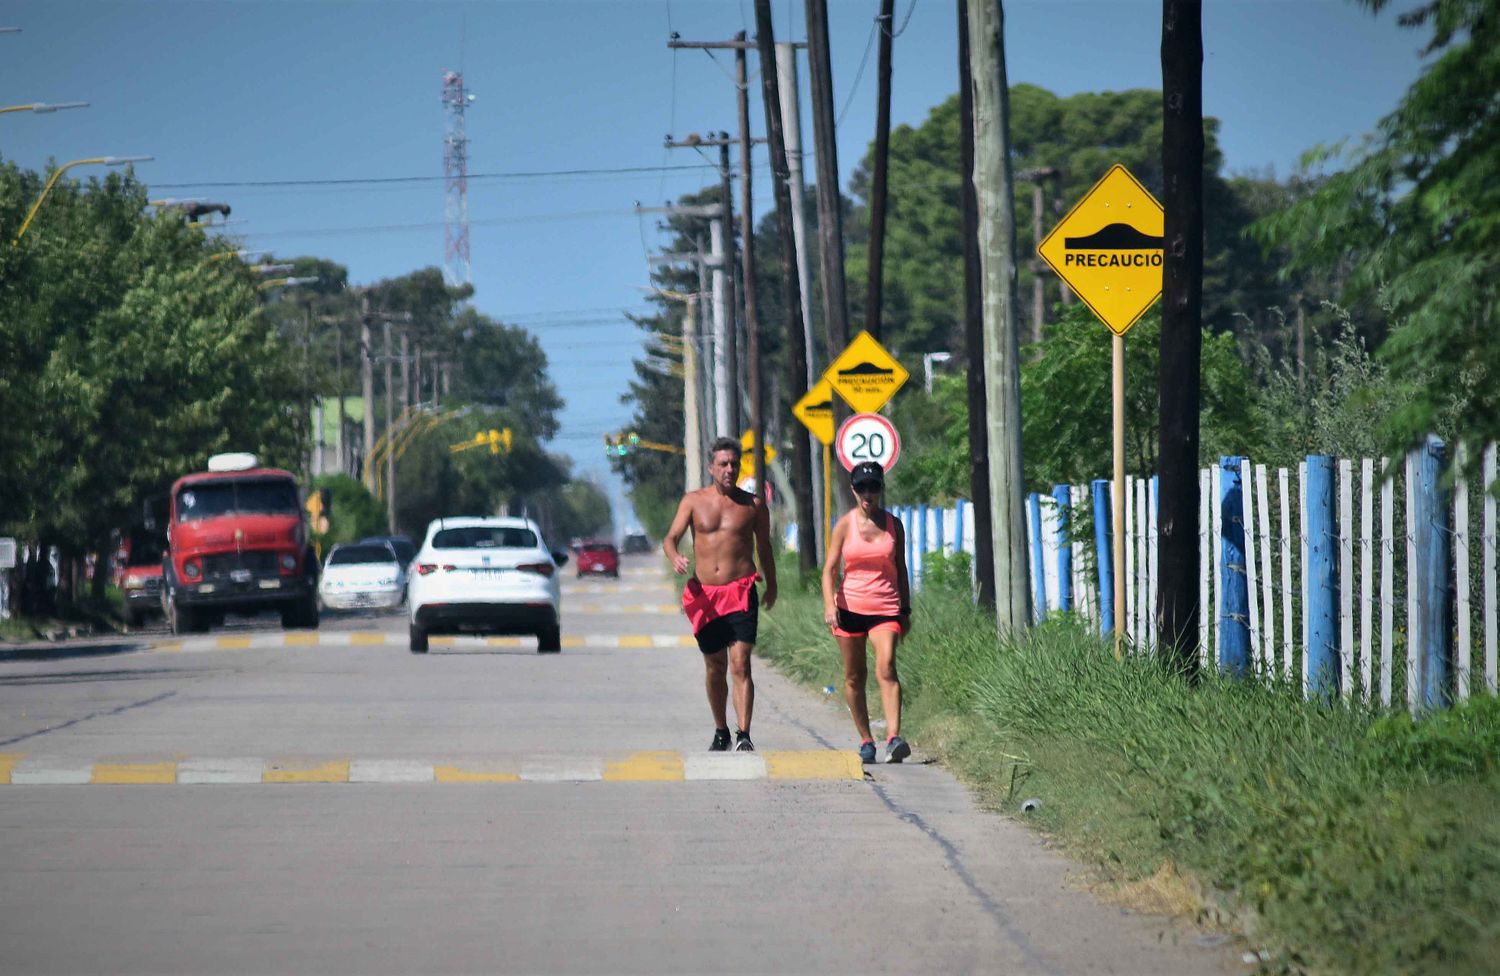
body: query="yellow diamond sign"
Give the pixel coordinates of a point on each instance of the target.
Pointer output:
(815, 410)
(1109, 249)
(865, 374)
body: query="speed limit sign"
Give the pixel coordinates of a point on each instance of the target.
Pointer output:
(868, 437)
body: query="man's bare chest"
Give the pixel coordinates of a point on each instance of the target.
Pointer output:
(712, 519)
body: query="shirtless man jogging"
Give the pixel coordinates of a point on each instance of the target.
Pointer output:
(731, 532)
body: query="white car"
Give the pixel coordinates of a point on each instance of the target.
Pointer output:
(485, 576)
(362, 575)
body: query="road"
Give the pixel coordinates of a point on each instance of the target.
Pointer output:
(254, 802)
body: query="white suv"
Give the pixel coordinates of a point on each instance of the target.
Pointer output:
(485, 576)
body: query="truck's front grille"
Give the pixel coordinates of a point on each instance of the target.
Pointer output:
(224, 563)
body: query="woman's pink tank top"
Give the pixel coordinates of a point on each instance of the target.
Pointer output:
(869, 585)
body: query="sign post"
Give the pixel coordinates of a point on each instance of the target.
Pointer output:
(1109, 250)
(815, 410)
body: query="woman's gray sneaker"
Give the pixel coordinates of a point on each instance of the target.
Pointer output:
(896, 749)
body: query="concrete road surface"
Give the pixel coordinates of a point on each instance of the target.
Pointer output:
(293, 803)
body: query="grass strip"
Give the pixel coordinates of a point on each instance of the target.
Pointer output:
(1334, 838)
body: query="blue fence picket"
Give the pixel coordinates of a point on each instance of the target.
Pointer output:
(1430, 578)
(958, 524)
(1234, 608)
(1062, 494)
(1320, 668)
(1103, 550)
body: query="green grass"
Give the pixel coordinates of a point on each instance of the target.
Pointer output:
(1336, 839)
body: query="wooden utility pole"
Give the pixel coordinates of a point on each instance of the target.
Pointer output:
(830, 208)
(1038, 295)
(390, 455)
(979, 439)
(873, 297)
(367, 387)
(1002, 361)
(791, 287)
(1181, 331)
(747, 265)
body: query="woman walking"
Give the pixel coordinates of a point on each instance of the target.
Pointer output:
(870, 602)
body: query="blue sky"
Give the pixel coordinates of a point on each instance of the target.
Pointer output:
(276, 90)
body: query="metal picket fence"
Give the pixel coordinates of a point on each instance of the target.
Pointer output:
(1360, 579)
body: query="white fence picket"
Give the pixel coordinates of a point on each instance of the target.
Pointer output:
(1346, 576)
(1049, 551)
(1366, 587)
(1387, 583)
(1142, 635)
(1205, 562)
(1463, 652)
(1152, 565)
(1491, 653)
(1267, 588)
(1252, 606)
(1216, 552)
(1130, 619)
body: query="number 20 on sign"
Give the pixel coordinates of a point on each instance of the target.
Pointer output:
(868, 437)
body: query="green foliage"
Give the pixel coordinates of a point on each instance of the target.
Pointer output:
(948, 573)
(356, 513)
(1337, 840)
(1414, 222)
(582, 511)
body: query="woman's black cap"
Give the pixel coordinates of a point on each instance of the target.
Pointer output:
(867, 473)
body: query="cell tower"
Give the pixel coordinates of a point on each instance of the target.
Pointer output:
(456, 98)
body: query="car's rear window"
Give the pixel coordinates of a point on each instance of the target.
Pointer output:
(347, 555)
(484, 537)
(599, 548)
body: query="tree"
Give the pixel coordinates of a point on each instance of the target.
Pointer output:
(1415, 220)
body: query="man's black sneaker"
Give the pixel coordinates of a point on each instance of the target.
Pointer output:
(742, 742)
(721, 741)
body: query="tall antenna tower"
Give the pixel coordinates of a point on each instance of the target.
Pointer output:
(456, 98)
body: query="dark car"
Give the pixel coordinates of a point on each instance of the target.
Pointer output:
(600, 558)
(637, 542)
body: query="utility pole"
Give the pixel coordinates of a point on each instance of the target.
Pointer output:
(406, 399)
(747, 234)
(830, 210)
(979, 438)
(390, 455)
(1038, 298)
(338, 382)
(884, 22)
(367, 386)
(1181, 331)
(997, 260)
(791, 291)
(791, 114)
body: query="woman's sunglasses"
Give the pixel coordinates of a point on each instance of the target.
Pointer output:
(869, 488)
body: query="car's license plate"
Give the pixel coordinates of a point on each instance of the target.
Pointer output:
(240, 575)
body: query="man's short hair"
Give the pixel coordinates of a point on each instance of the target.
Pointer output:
(725, 444)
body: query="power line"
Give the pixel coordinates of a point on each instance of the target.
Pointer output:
(379, 180)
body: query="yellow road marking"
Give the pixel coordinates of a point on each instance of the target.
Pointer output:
(8, 762)
(503, 641)
(443, 641)
(303, 639)
(816, 764)
(232, 643)
(646, 766)
(366, 638)
(574, 642)
(636, 640)
(135, 773)
(169, 647)
(686, 640)
(292, 772)
(454, 774)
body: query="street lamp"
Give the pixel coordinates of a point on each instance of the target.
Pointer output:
(94, 160)
(287, 282)
(43, 108)
(933, 357)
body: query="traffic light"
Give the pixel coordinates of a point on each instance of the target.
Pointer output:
(634, 438)
(507, 438)
(494, 441)
(609, 444)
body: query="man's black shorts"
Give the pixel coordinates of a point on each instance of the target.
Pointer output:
(718, 634)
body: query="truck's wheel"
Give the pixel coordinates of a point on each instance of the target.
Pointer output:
(300, 613)
(548, 641)
(135, 618)
(418, 640)
(181, 619)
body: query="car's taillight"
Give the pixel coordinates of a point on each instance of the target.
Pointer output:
(545, 569)
(425, 568)
(449, 567)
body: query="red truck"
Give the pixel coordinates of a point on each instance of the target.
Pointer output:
(236, 543)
